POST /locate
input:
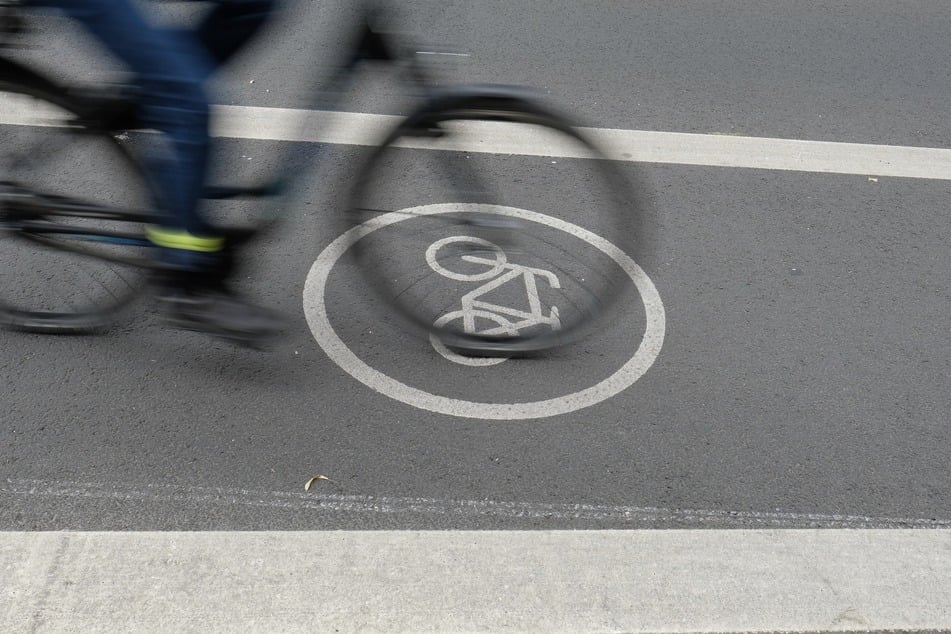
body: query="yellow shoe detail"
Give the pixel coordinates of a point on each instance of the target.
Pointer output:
(178, 239)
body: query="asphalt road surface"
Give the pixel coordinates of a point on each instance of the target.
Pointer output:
(804, 369)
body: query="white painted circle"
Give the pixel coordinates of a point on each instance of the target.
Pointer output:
(315, 310)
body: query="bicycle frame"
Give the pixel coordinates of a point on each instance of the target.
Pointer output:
(436, 113)
(370, 44)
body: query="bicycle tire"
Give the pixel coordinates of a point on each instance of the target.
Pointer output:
(73, 203)
(495, 208)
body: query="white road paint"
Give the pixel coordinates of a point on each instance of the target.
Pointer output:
(21, 110)
(621, 145)
(355, 128)
(321, 502)
(315, 310)
(495, 267)
(499, 272)
(452, 581)
(472, 362)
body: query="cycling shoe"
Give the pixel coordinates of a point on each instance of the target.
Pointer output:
(220, 313)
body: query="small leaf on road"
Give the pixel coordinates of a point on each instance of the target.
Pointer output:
(314, 479)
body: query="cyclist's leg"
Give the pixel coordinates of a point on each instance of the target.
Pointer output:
(170, 70)
(170, 67)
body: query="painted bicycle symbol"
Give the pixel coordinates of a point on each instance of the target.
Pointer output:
(475, 310)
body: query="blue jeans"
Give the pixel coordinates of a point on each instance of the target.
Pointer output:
(171, 68)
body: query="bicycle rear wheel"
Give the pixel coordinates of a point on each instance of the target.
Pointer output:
(491, 223)
(70, 240)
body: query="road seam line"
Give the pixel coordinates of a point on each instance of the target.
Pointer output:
(392, 505)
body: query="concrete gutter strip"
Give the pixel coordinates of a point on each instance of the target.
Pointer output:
(544, 581)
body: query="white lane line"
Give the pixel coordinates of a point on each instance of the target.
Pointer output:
(354, 128)
(465, 509)
(622, 145)
(446, 581)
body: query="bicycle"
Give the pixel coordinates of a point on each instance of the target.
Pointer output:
(470, 207)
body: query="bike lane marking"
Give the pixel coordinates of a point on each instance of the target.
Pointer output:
(494, 277)
(569, 515)
(315, 310)
(638, 146)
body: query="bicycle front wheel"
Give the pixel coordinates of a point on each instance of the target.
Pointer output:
(492, 209)
(70, 240)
